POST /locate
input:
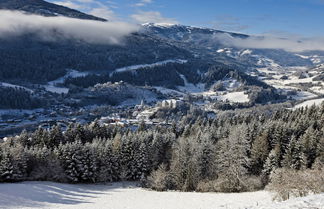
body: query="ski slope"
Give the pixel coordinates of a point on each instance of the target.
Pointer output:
(52, 85)
(136, 67)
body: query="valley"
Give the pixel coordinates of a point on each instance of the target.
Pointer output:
(300, 85)
(108, 104)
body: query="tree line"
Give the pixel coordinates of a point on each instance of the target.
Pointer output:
(232, 153)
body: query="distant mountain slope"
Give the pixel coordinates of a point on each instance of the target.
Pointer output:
(28, 58)
(44, 8)
(186, 33)
(35, 60)
(211, 42)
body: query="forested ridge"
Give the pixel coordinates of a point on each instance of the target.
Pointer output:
(232, 153)
(18, 98)
(30, 59)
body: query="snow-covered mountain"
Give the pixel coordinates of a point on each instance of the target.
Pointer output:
(44, 8)
(171, 56)
(187, 33)
(206, 41)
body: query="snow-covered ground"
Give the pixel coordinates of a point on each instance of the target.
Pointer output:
(309, 103)
(18, 112)
(234, 97)
(318, 89)
(127, 196)
(52, 85)
(316, 59)
(310, 202)
(229, 84)
(189, 87)
(168, 92)
(303, 95)
(15, 86)
(136, 67)
(239, 97)
(299, 78)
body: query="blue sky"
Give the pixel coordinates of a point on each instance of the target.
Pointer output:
(298, 17)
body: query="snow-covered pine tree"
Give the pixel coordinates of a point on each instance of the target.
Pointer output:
(205, 157)
(309, 146)
(20, 160)
(293, 157)
(127, 158)
(141, 161)
(108, 163)
(69, 155)
(6, 167)
(55, 137)
(273, 161)
(319, 162)
(259, 152)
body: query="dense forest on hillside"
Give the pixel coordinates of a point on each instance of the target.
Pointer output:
(34, 60)
(167, 75)
(233, 153)
(18, 98)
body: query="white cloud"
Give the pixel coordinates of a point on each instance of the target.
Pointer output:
(70, 4)
(92, 7)
(152, 17)
(14, 23)
(103, 12)
(292, 43)
(143, 3)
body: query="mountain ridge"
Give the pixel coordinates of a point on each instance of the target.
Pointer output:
(45, 8)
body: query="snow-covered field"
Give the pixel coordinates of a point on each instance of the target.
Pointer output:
(310, 202)
(128, 196)
(52, 85)
(309, 103)
(239, 97)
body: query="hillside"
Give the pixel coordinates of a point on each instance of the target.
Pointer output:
(44, 8)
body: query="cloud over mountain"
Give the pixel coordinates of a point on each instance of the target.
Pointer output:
(151, 17)
(290, 43)
(14, 23)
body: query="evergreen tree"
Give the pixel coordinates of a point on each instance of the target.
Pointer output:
(108, 164)
(141, 162)
(273, 161)
(55, 136)
(259, 153)
(6, 168)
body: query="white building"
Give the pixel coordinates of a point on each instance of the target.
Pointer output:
(171, 103)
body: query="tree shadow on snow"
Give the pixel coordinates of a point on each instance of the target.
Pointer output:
(38, 194)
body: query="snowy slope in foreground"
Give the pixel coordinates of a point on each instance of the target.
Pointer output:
(54, 195)
(310, 202)
(118, 196)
